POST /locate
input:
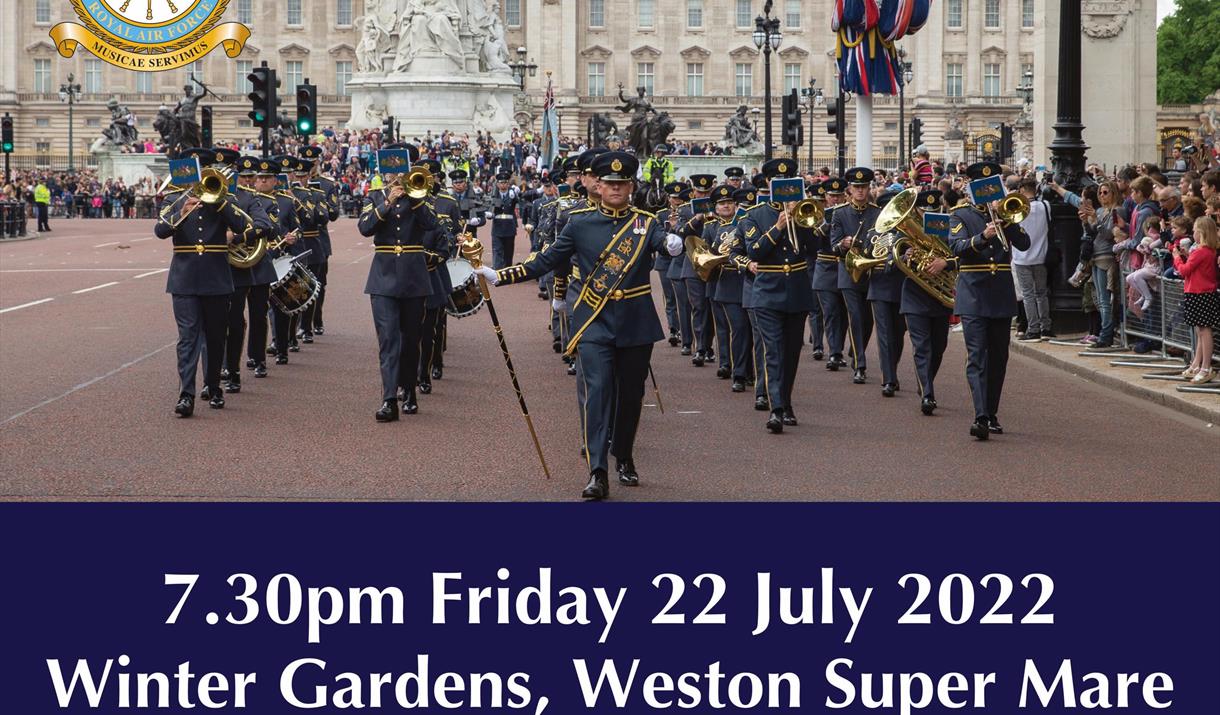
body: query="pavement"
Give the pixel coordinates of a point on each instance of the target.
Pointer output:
(87, 385)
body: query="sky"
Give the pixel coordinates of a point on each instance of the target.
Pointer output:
(1163, 8)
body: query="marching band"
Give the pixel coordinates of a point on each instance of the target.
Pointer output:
(743, 265)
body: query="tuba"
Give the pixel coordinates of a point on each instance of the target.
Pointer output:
(899, 219)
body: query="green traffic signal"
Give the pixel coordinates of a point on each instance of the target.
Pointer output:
(304, 126)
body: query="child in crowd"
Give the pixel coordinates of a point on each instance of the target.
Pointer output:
(1201, 301)
(1149, 270)
(1180, 230)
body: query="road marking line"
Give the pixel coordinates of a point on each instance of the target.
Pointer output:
(151, 273)
(693, 412)
(26, 305)
(87, 383)
(112, 243)
(137, 240)
(86, 290)
(73, 270)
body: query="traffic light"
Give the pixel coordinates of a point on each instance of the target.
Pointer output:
(832, 111)
(1006, 148)
(792, 120)
(387, 130)
(307, 109)
(262, 95)
(205, 127)
(916, 132)
(6, 143)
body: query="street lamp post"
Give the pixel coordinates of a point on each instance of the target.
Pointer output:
(767, 37)
(68, 92)
(907, 75)
(520, 68)
(813, 97)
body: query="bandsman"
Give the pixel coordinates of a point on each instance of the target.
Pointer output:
(329, 199)
(732, 326)
(250, 285)
(762, 192)
(849, 232)
(432, 333)
(885, 299)
(315, 236)
(668, 217)
(826, 278)
(927, 318)
(696, 289)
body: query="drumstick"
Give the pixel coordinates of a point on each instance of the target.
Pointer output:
(472, 251)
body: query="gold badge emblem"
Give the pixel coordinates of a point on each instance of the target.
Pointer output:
(616, 165)
(219, 157)
(751, 231)
(859, 174)
(614, 263)
(264, 165)
(149, 37)
(782, 167)
(986, 171)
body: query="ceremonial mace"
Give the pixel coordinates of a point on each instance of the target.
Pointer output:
(472, 250)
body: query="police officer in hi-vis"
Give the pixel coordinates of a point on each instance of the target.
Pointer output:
(985, 299)
(200, 280)
(616, 321)
(778, 253)
(848, 231)
(403, 231)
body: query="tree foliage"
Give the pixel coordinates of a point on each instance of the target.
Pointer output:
(1188, 53)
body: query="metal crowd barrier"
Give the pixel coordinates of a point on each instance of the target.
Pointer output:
(12, 219)
(1163, 323)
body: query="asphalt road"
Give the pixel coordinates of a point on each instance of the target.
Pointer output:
(87, 384)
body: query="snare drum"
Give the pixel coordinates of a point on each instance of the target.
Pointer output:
(295, 287)
(466, 298)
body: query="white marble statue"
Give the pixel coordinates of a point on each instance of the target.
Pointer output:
(426, 25)
(489, 117)
(483, 19)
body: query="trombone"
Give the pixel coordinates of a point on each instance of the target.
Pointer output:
(1014, 208)
(806, 213)
(212, 188)
(417, 183)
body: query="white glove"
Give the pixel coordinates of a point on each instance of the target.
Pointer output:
(474, 221)
(488, 214)
(673, 244)
(488, 273)
(558, 305)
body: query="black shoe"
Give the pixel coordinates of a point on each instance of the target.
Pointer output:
(294, 348)
(437, 372)
(598, 487)
(993, 425)
(281, 359)
(218, 400)
(185, 406)
(409, 405)
(271, 349)
(307, 338)
(224, 374)
(260, 370)
(818, 354)
(859, 377)
(738, 386)
(318, 329)
(1049, 335)
(833, 364)
(388, 412)
(572, 368)
(761, 404)
(1033, 337)
(839, 362)
(697, 360)
(708, 355)
(927, 405)
(775, 422)
(673, 340)
(627, 476)
(542, 294)
(723, 373)
(789, 417)
(979, 430)
(888, 389)
(1099, 344)
(205, 393)
(685, 350)
(425, 387)
(556, 345)
(233, 386)
(251, 363)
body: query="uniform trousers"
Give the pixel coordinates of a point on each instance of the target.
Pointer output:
(709, 323)
(929, 338)
(696, 295)
(196, 316)
(831, 303)
(783, 335)
(573, 295)
(739, 341)
(427, 343)
(859, 326)
(309, 315)
(502, 250)
(890, 337)
(281, 323)
(683, 307)
(614, 396)
(235, 324)
(320, 271)
(760, 384)
(986, 361)
(817, 321)
(671, 303)
(398, 322)
(440, 339)
(721, 320)
(256, 344)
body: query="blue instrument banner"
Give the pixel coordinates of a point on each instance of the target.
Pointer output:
(936, 224)
(393, 161)
(634, 608)
(986, 190)
(184, 172)
(787, 189)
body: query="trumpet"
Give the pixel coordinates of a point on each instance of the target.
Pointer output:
(1013, 208)
(417, 183)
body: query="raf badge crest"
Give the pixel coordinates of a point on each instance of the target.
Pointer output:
(149, 36)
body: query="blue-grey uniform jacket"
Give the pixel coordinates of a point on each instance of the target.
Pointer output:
(255, 204)
(448, 220)
(826, 267)
(328, 202)
(627, 316)
(200, 265)
(728, 283)
(311, 215)
(401, 235)
(984, 279)
(782, 282)
(849, 221)
(663, 260)
(503, 209)
(286, 221)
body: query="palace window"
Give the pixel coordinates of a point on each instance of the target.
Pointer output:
(512, 13)
(343, 12)
(294, 73)
(745, 14)
(42, 12)
(991, 14)
(694, 79)
(293, 12)
(597, 79)
(953, 79)
(144, 82)
(953, 14)
(597, 13)
(648, 10)
(991, 79)
(694, 13)
(1027, 14)
(42, 76)
(245, 11)
(244, 68)
(343, 75)
(744, 82)
(645, 76)
(792, 13)
(93, 76)
(792, 76)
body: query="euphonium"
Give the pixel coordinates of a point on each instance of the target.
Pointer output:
(808, 213)
(900, 217)
(417, 182)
